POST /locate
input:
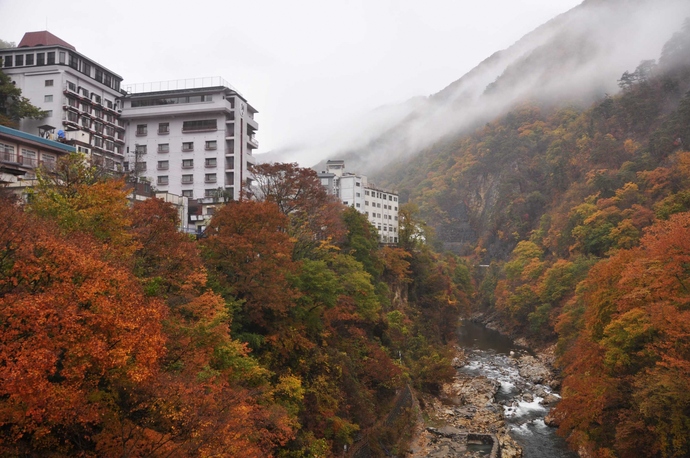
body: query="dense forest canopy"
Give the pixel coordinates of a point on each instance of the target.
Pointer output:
(285, 331)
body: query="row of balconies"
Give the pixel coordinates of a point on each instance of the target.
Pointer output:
(93, 101)
(25, 162)
(87, 112)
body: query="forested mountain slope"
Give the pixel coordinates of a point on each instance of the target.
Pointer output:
(574, 58)
(582, 215)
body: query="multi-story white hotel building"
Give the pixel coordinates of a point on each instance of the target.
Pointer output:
(379, 205)
(79, 95)
(193, 138)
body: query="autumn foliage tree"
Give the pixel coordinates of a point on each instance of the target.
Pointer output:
(628, 374)
(314, 215)
(76, 333)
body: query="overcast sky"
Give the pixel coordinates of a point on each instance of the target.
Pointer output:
(306, 65)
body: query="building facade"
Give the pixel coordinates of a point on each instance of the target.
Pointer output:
(379, 205)
(194, 138)
(79, 95)
(21, 154)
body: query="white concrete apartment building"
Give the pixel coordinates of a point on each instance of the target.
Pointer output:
(80, 96)
(379, 205)
(193, 138)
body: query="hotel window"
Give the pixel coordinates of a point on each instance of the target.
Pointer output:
(19, 60)
(8, 61)
(71, 86)
(163, 165)
(164, 128)
(96, 98)
(210, 178)
(187, 146)
(86, 69)
(230, 163)
(186, 179)
(188, 163)
(109, 146)
(210, 162)
(211, 144)
(163, 148)
(62, 57)
(86, 122)
(204, 124)
(40, 58)
(358, 184)
(48, 161)
(51, 58)
(48, 83)
(359, 195)
(210, 193)
(142, 129)
(98, 142)
(141, 166)
(188, 193)
(140, 149)
(366, 193)
(29, 157)
(98, 75)
(163, 180)
(47, 98)
(29, 59)
(49, 113)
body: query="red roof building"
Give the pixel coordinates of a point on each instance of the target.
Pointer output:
(43, 38)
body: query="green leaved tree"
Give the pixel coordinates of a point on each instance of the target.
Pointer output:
(13, 106)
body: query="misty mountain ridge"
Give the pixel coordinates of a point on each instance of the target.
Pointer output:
(573, 59)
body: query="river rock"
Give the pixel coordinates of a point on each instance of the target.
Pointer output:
(549, 399)
(551, 420)
(533, 369)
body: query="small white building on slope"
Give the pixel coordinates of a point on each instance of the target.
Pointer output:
(379, 205)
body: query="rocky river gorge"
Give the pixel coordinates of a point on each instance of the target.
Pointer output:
(501, 396)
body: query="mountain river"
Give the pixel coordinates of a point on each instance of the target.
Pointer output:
(496, 357)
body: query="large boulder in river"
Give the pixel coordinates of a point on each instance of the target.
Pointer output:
(534, 370)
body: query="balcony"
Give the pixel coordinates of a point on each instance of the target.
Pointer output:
(28, 161)
(69, 91)
(6, 156)
(252, 141)
(50, 166)
(229, 134)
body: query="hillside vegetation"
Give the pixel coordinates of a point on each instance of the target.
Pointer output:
(583, 218)
(285, 331)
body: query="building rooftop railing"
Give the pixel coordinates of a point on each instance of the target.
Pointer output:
(176, 85)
